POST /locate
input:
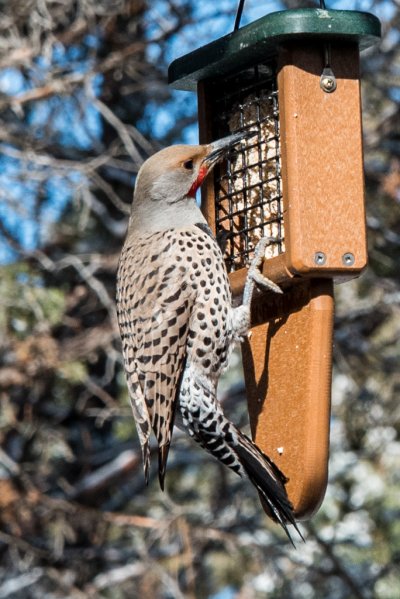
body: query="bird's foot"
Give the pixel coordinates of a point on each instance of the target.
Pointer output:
(254, 275)
(263, 282)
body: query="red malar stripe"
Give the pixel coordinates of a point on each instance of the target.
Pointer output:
(196, 184)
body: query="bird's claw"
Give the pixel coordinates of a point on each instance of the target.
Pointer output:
(254, 276)
(264, 282)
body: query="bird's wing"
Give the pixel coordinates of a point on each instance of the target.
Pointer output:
(154, 304)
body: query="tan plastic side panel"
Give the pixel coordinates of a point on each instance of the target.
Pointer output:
(205, 136)
(287, 366)
(322, 162)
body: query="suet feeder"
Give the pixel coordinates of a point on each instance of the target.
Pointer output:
(291, 77)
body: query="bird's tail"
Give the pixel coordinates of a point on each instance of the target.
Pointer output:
(203, 417)
(268, 480)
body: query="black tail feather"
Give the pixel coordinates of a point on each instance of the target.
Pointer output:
(269, 481)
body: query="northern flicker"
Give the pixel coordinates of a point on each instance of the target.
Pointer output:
(177, 323)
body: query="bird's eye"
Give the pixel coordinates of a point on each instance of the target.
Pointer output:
(188, 165)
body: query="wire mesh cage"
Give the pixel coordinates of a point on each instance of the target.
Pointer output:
(248, 185)
(290, 81)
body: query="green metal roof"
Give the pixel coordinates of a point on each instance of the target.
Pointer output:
(259, 41)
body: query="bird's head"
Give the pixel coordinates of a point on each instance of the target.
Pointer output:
(167, 182)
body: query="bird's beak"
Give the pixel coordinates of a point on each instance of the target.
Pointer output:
(219, 148)
(214, 152)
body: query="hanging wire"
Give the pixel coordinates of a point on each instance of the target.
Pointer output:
(322, 5)
(327, 47)
(239, 12)
(238, 15)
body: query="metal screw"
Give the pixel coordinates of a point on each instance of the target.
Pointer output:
(348, 259)
(328, 84)
(319, 258)
(327, 81)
